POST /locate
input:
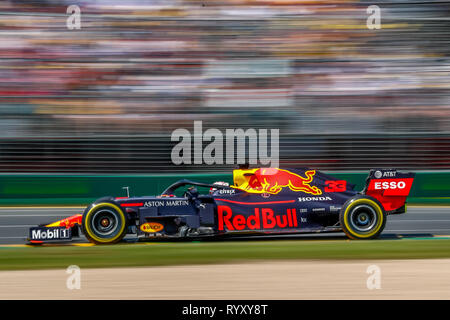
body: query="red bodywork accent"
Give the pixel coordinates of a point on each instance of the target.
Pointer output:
(67, 222)
(136, 204)
(335, 186)
(391, 192)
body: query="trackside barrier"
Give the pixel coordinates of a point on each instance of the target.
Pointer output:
(431, 188)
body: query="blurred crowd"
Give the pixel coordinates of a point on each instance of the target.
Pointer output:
(147, 67)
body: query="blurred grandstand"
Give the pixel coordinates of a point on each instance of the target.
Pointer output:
(105, 98)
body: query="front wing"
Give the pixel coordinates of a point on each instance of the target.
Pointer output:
(62, 230)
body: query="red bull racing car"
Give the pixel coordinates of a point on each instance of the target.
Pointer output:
(261, 201)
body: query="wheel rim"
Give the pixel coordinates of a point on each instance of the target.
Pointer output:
(363, 218)
(105, 223)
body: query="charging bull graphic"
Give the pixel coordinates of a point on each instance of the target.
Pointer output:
(273, 180)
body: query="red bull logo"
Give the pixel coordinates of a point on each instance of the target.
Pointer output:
(273, 180)
(262, 218)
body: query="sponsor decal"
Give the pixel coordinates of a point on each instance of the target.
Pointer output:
(169, 203)
(308, 199)
(226, 191)
(246, 203)
(333, 208)
(318, 209)
(262, 218)
(389, 174)
(273, 180)
(391, 187)
(384, 174)
(335, 186)
(151, 227)
(58, 233)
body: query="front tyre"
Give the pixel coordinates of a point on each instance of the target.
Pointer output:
(362, 217)
(104, 223)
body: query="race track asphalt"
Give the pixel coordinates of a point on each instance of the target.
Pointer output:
(417, 222)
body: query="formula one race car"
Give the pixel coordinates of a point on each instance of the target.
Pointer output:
(261, 201)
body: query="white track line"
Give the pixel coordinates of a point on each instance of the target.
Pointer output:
(35, 215)
(41, 208)
(448, 220)
(422, 231)
(23, 237)
(19, 226)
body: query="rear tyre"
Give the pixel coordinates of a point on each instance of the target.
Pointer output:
(362, 217)
(104, 223)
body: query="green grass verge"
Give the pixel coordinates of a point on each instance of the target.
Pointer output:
(159, 254)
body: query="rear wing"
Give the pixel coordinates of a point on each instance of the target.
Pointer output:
(390, 187)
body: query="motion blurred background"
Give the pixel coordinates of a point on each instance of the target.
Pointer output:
(105, 98)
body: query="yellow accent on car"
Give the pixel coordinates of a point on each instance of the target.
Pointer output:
(151, 227)
(241, 178)
(54, 224)
(94, 208)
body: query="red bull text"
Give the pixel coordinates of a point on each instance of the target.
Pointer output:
(263, 218)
